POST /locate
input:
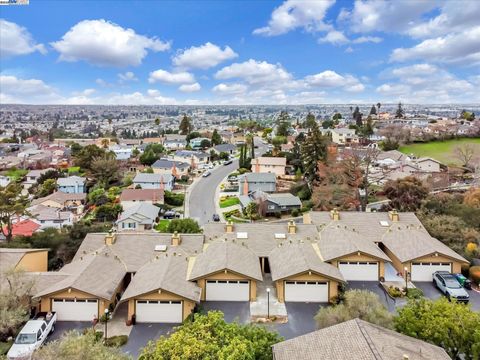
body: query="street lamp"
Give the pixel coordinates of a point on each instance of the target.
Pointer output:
(106, 320)
(268, 303)
(406, 280)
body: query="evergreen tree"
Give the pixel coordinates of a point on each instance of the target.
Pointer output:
(313, 149)
(310, 122)
(252, 156)
(283, 124)
(357, 116)
(216, 138)
(399, 113)
(373, 110)
(185, 125)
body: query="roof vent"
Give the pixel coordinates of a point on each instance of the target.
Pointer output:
(161, 248)
(242, 235)
(384, 223)
(280, 236)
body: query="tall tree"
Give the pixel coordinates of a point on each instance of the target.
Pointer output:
(357, 116)
(314, 149)
(104, 170)
(283, 124)
(379, 106)
(12, 205)
(86, 155)
(216, 138)
(400, 112)
(186, 125)
(373, 110)
(310, 122)
(405, 194)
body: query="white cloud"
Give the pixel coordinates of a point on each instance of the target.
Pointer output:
(334, 37)
(188, 88)
(366, 39)
(293, 14)
(462, 48)
(15, 90)
(331, 79)
(166, 77)
(415, 70)
(103, 43)
(203, 57)
(101, 82)
(256, 72)
(16, 40)
(128, 76)
(230, 89)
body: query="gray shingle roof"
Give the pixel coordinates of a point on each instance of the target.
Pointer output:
(356, 339)
(96, 274)
(167, 272)
(225, 147)
(290, 259)
(144, 213)
(71, 181)
(261, 238)
(257, 177)
(168, 164)
(337, 241)
(152, 178)
(284, 199)
(221, 255)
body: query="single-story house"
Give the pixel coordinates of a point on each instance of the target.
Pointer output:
(274, 203)
(225, 148)
(194, 158)
(71, 184)
(154, 181)
(50, 217)
(132, 197)
(139, 217)
(175, 168)
(249, 182)
(33, 176)
(356, 339)
(62, 200)
(175, 144)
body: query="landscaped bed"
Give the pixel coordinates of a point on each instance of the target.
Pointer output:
(229, 201)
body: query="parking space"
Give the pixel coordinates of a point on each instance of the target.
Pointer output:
(142, 333)
(233, 310)
(62, 327)
(431, 292)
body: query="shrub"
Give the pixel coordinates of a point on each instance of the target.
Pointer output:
(394, 292)
(414, 293)
(475, 274)
(174, 199)
(116, 341)
(295, 212)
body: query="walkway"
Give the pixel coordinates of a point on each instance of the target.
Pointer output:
(117, 326)
(262, 307)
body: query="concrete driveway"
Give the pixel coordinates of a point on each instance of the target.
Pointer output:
(142, 333)
(431, 292)
(300, 320)
(233, 310)
(62, 327)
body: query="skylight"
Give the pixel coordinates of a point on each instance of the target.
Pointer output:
(384, 223)
(280, 236)
(242, 235)
(160, 247)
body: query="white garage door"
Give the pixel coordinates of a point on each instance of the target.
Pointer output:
(424, 271)
(154, 311)
(359, 270)
(227, 290)
(306, 291)
(75, 310)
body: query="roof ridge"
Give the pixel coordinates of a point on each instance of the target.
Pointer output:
(366, 336)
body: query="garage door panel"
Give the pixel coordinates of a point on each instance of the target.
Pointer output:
(423, 271)
(227, 290)
(359, 270)
(75, 309)
(155, 311)
(306, 291)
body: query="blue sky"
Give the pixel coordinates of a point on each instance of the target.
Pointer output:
(240, 52)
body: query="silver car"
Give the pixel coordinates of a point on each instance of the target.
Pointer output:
(449, 286)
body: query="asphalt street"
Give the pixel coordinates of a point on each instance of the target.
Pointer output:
(201, 198)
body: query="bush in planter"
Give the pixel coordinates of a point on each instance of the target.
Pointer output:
(414, 293)
(475, 274)
(394, 291)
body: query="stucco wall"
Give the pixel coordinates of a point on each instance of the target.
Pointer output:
(34, 261)
(187, 304)
(332, 285)
(228, 276)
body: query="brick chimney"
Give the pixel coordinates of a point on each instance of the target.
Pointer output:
(257, 166)
(110, 238)
(176, 239)
(245, 186)
(393, 215)
(229, 227)
(335, 215)
(292, 227)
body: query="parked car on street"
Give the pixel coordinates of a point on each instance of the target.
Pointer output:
(170, 214)
(32, 336)
(216, 217)
(227, 162)
(448, 284)
(206, 174)
(466, 283)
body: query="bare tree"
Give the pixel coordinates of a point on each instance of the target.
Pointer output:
(465, 154)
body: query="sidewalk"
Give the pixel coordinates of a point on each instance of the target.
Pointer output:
(117, 326)
(262, 308)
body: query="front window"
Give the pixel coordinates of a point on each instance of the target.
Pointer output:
(24, 339)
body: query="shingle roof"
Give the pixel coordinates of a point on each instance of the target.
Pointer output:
(46, 213)
(70, 181)
(142, 195)
(257, 177)
(221, 255)
(261, 238)
(136, 249)
(337, 241)
(225, 147)
(96, 274)
(278, 161)
(61, 197)
(290, 259)
(152, 178)
(168, 164)
(167, 272)
(356, 339)
(144, 213)
(284, 199)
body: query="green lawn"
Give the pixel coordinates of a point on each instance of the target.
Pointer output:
(229, 202)
(442, 151)
(162, 225)
(4, 347)
(16, 174)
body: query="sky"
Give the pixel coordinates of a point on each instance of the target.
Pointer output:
(240, 52)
